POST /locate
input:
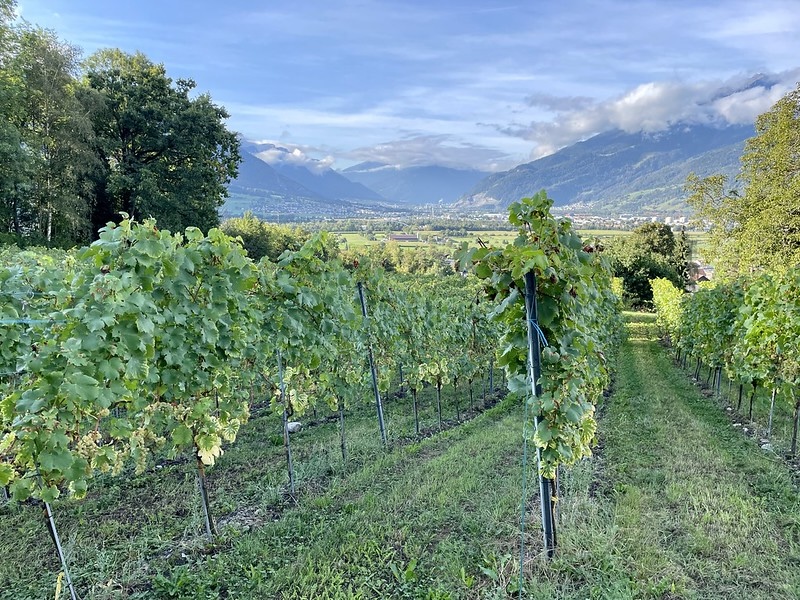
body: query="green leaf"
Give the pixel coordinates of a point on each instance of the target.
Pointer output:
(182, 436)
(6, 474)
(58, 460)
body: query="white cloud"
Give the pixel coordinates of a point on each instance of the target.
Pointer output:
(443, 150)
(653, 107)
(293, 154)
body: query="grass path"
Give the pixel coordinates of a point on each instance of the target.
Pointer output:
(692, 509)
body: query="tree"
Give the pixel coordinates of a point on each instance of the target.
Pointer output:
(650, 252)
(770, 226)
(654, 237)
(12, 157)
(758, 229)
(262, 239)
(165, 155)
(55, 137)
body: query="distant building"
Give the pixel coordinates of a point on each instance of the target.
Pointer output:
(403, 237)
(698, 273)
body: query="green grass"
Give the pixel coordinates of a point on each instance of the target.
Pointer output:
(677, 503)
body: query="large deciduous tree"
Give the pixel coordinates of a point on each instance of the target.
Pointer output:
(758, 229)
(650, 252)
(166, 155)
(12, 157)
(53, 206)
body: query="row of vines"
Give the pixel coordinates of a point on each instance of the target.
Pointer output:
(151, 343)
(748, 329)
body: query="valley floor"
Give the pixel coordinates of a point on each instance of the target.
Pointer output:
(677, 503)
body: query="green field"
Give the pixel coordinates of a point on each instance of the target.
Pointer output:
(677, 503)
(501, 238)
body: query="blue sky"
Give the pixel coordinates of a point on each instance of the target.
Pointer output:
(461, 83)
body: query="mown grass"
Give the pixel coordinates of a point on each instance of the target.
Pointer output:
(676, 503)
(141, 536)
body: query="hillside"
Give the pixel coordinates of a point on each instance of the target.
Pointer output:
(618, 172)
(439, 517)
(265, 192)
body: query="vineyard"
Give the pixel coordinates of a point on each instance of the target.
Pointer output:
(148, 347)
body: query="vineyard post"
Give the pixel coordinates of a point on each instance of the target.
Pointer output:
(491, 376)
(286, 443)
(51, 525)
(439, 399)
(373, 371)
(416, 409)
(546, 489)
(340, 403)
(795, 420)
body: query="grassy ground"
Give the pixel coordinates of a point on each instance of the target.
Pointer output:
(677, 503)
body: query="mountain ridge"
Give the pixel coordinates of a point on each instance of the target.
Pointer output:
(617, 171)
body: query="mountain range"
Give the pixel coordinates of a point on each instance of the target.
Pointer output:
(415, 185)
(618, 172)
(611, 173)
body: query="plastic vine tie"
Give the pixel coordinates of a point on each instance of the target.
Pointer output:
(539, 332)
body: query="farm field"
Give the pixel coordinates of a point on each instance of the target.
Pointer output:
(501, 237)
(676, 503)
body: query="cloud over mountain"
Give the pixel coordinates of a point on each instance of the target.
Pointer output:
(652, 107)
(280, 153)
(423, 150)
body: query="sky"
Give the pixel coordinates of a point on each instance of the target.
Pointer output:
(462, 83)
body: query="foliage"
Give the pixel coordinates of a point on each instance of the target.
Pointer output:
(117, 362)
(48, 143)
(165, 155)
(147, 340)
(577, 313)
(393, 258)
(667, 302)
(650, 252)
(759, 228)
(262, 239)
(82, 143)
(748, 327)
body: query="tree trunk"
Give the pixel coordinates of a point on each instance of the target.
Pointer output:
(471, 398)
(202, 484)
(400, 370)
(752, 398)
